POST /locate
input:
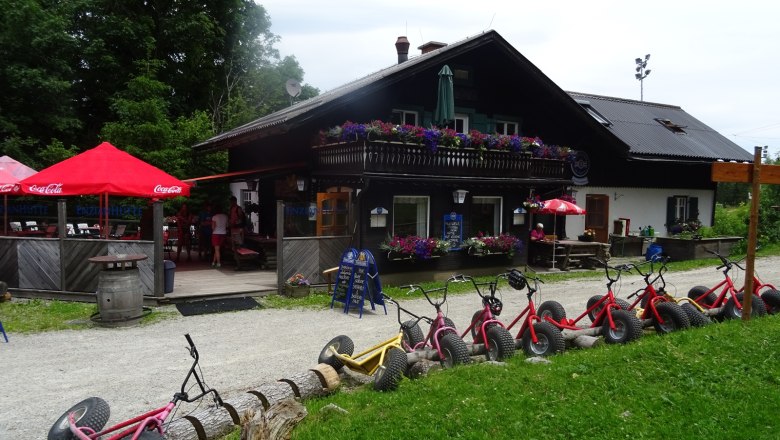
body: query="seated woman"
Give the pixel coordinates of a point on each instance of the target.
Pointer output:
(538, 233)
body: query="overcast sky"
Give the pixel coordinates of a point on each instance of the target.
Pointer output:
(717, 60)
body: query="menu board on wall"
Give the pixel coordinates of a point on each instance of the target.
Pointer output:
(453, 230)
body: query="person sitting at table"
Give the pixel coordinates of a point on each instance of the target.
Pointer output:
(538, 233)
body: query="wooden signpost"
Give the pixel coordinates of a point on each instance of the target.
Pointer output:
(755, 174)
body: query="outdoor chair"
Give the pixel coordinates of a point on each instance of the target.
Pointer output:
(15, 226)
(119, 232)
(83, 228)
(71, 231)
(31, 225)
(242, 254)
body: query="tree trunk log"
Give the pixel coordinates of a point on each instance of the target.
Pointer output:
(328, 375)
(241, 405)
(270, 393)
(585, 341)
(276, 423)
(209, 423)
(306, 384)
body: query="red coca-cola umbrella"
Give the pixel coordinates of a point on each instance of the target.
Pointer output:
(104, 170)
(11, 173)
(559, 207)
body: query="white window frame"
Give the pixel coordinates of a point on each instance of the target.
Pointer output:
(465, 120)
(422, 217)
(506, 125)
(681, 205)
(408, 112)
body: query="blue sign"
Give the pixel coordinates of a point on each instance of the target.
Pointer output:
(453, 230)
(357, 278)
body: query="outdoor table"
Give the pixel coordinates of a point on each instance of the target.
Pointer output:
(568, 253)
(119, 295)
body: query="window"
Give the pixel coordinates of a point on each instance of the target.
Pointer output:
(404, 117)
(485, 215)
(593, 112)
(674, 128)
(681, 209)
(506, 127)
(410, 215)
(461, 123)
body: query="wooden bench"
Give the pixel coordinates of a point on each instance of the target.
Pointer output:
(241, 253)
(329, 273)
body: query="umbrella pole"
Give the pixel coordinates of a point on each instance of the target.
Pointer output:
(5, 214)
(555, 233)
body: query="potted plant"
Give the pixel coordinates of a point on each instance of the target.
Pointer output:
(412, 247)
(587, 236)
(483, 245)
(297, 286)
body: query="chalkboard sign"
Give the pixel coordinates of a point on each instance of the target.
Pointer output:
(341, 290)
(453, 230)
(358, 278)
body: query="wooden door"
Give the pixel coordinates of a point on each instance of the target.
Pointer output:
(332, 213)
(597, 215)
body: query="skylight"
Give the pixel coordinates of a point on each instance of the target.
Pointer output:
(593, 112)
(674, 128)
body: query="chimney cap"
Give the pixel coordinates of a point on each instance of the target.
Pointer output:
(431, 45)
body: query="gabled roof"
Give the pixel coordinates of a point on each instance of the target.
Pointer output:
(285, 119)
(633, 124)
(652, 129)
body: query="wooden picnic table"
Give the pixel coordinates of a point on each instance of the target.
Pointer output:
(568, 253)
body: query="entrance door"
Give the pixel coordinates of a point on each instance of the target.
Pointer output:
(597, 214)
(332, 213)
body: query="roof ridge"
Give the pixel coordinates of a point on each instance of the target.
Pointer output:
(626, 100)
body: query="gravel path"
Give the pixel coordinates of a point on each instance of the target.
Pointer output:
(136, 369)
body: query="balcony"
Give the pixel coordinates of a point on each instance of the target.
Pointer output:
(398, 158)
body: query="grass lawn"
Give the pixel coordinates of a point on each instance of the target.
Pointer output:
(719, 381)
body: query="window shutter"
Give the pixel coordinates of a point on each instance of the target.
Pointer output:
(693, 207)
(670, 205)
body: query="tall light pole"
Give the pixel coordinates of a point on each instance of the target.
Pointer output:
(641, 74)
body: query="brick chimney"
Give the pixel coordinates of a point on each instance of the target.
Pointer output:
(430, 46)
(402, 47)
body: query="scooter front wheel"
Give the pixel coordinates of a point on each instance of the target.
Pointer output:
(340, 344)
(454, 350)
(502, 344)
(90, 413)
(627, 327)
(389, 374)
(549, 340)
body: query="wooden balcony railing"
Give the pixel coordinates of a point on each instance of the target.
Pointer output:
(393, 157)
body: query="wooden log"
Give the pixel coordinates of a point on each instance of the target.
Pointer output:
(270, 393)
(306, 384)
(329, 377)
(585, 341)
(422, 367)
(276, 423)
(241, 405)
(209, 423)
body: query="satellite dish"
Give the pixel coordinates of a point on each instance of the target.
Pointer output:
(293, 87)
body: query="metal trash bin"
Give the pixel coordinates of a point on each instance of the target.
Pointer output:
(170, 271)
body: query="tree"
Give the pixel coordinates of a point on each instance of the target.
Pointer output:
(35, 74)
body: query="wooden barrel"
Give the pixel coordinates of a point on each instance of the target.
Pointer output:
(119, 297)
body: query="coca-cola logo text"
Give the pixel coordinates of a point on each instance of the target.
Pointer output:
(9, 187)
(52, 188)
(159, 189)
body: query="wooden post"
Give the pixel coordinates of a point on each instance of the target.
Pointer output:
(755, 174)
(747, 301)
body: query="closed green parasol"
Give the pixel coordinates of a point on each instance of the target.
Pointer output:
(445, 102)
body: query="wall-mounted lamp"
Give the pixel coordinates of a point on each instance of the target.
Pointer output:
(301, 184)
(617, 196)
(251, 185)
(518, 216)
(379, 217)
(459, 195)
